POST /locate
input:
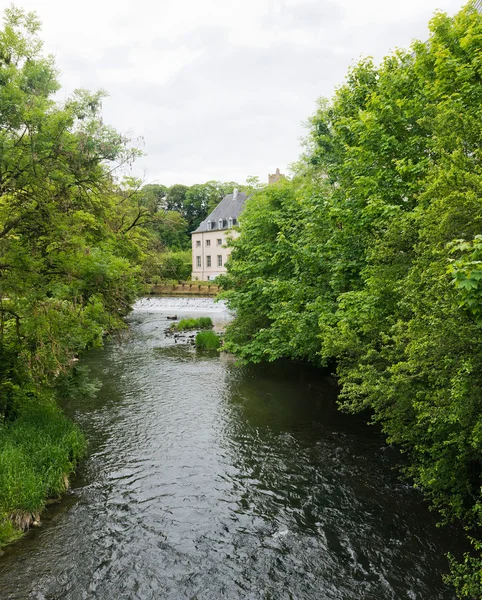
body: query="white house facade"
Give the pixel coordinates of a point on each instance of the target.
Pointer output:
(209, 251)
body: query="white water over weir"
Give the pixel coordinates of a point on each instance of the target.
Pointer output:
(182, 305)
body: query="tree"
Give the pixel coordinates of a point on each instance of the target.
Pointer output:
(155, 196)
(72, 239)
(68, 236)
(275, 275)
(379, 258)
(176, 197)
(201, 199)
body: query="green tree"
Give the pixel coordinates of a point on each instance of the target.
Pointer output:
(69, 241)
(275, 275)
(387, 191)
(72, 239)
(155, 196)
(176, 197)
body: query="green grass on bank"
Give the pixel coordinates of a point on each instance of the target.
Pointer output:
(187, 324)
(207, 340)
(37, 452)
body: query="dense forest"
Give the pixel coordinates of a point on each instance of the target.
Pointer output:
(78, 240)
(369, 261)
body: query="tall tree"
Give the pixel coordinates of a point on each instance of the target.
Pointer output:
(176, 197)
(68, 237)
(395, 193)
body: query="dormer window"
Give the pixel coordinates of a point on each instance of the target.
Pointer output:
(220, 223)
(230, 222)
(209, 225)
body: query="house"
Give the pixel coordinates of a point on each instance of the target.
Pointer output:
(209, 251)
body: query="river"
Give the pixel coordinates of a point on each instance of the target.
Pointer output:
(208, 480)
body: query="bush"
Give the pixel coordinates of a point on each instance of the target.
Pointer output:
(207, 340)
(176, 265)
(187, 324)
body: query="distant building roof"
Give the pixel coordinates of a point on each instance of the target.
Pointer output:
(230, 207)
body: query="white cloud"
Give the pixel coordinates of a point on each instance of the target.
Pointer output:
(219, 88)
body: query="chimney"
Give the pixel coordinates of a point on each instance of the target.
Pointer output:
(235, 193)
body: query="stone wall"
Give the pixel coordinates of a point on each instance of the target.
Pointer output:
(185, 289)
(275, 177)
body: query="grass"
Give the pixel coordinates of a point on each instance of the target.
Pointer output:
(187, 324)
(207, 340)
(38, 452)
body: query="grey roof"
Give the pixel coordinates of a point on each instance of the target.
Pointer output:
(229, 208)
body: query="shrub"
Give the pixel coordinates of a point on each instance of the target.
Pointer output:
(207, 340)
(176, 265)
(187, 324)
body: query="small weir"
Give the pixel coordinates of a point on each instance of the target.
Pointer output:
(182, 305)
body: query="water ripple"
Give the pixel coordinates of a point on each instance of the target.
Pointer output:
(206, 480)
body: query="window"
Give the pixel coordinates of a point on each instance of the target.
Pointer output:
(209, 225)
(209, 278)
(220, 223)
(208, 261)
(208, 242)
(220, 260)
(219, 241)
(230, 222)
(198, 243)
(198, 261)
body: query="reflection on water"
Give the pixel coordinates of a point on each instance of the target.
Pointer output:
(209, 480)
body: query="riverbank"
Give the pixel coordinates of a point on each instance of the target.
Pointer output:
(38, 453)
(41, 448)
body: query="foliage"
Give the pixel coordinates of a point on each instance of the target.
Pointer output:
(168, 216)
(37, 452)
(73, 239)
(207, 340)
(154, 197)
(190, 204)
(466, 576)
(201, 199)
(70, 237)
(370, 259)
(172, 213)
(275, 275)
(175, 265)
(467, 275)
(187, 324)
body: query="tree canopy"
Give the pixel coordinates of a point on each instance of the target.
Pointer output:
(69, 241)
(73, 240)
(369, 260)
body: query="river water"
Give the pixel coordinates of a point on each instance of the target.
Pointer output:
(208, 480)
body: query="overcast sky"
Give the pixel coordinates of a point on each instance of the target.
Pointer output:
(219, 89)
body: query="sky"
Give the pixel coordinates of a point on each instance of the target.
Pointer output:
(219, 89)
